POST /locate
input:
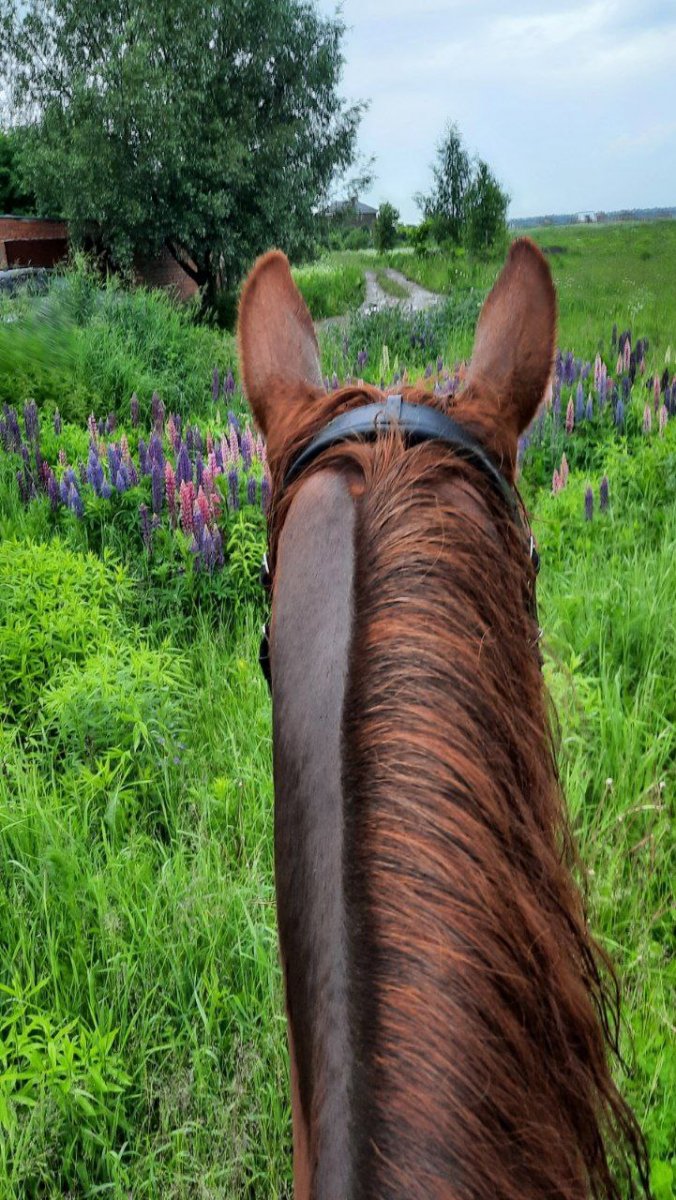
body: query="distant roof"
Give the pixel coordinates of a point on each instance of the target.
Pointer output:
(358, 206)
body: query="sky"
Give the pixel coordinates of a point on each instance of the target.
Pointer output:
(571, 102)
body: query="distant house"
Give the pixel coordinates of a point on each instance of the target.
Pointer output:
(586, 218)
(43, 242)
(353, 213)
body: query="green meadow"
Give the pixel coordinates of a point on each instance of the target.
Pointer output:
(142, 1032)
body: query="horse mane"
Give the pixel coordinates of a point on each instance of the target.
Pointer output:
(484, 1014)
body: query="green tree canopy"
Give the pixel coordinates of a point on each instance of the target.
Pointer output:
(487, 203)
(14, 198)
(445, 206)
(385, 231)
(211, 127)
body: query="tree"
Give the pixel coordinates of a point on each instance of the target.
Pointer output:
(487, 205)
(211, 127)
(13, 196)
(385, 229)
(445, 206)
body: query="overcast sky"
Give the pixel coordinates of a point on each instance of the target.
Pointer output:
(572, 102)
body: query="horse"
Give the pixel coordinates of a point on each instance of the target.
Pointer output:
(451, 1020)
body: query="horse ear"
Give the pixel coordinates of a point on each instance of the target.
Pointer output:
(278, 352)
(513, 353)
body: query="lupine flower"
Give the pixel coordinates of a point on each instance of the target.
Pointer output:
(114, 460)
(229, 384)
(585, 372)
(143, 457)
(579, 403)
(187, 500)
(570, 417)
(134, 410)
(74, 501)
(565, 470)
(146, 531)
(588, 504)
(213, 465)
(198, 525)
(598, 363)
(234, 445)
(124, 451)
(233, 420)
(24, 491)
(604, 494)
(619, 413)
(619, 365)
(647, 419)
(603, 391)
(556, 400)
(57, 422)
(156, 486)
(95, 475)
(627, 353)
(252, 490)
(121, 479)
(63, 458)
(203, 506)
(111, 423)
(183, 466)
(172, 433)
(100, 427)
(664, 417)
(266, 492)
(589, 411)
(557, 484)
(31, 421)
(155, 451)
(218, 454)
(668, 398)
(12, 430)
(170, 485)
(626, 388)
(247, 449)
(215, 386)
(53, 491)
(233, 488)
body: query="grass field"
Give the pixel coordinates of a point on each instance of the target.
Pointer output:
(142, 1037)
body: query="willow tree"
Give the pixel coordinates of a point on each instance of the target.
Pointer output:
(213, 128)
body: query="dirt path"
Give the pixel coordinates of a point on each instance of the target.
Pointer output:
(416, 300)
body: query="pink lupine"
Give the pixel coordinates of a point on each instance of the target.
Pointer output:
(570, 416)
(207, 482)
(556, 483)
(647, 419)
(260, 448)
(565, 470)
(641, 367)
(664, 417)
(170, 484)
(225, 451)
(627, 354)
(213, 465)
(63, 458)
(598, 364)
(187, 497)
(204, 506)
(619, 366)
(124, 447)
(234, 446)
(173, 434)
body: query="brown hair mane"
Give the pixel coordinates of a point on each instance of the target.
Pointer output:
(484, 1013)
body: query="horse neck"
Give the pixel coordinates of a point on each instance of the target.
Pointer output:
(442, 990)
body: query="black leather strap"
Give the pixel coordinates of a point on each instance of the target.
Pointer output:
(416, 422)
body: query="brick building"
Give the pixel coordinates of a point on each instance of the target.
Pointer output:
(43, 242)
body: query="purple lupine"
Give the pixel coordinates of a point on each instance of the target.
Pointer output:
(556, 399)
(669, 393)
(53, 491)
(579, 403)
(198, 524)
(74, 501)
(157, 478)
(12, 429)
(266, 492)
(143, 457)
(67, 479)
(57, 422)
(155, 451)
(146, 531)
(252, 490)
(570, 417)
(100, 427)
(114, 459)
(229, 384)
(95, 475)
(619, 413)
(626, 387)
(588, 504)
(604, 494)
(31, 421)
(247, 448)
(233, 489)
(24, 490)
(603, 391)
(647, 419)
(183, 466)
(215, 386)
(585, 372)
(218, 451)
(122, 479)
(233, 421)
(589, 410)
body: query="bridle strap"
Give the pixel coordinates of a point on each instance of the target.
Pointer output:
(416, 423)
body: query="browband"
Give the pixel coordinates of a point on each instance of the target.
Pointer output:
(416, 422)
